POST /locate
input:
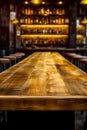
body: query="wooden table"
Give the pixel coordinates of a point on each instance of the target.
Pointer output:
(44, 81)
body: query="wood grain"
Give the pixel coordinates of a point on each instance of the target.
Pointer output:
(43, 81)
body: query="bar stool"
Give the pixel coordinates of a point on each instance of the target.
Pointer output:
(81, 64)
(4, 62)
(70, 56)
(84, 64)
(76, 59)
(18, 56)
(12, 58)
(21, 54)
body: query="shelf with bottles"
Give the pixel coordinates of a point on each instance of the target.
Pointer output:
(44, 42)
(44, 10)
(44, 20)
(44, 29)
(80, 29)
(40, 35)
(80, 33)
(44, 14)
(44, 25)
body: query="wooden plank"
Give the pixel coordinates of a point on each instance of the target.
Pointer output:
(43, 103)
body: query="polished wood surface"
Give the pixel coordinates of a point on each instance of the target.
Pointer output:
(43, 81)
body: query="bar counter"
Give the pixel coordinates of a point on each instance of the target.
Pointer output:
(43, 81)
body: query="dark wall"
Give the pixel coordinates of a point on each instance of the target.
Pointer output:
(4, 38)
(4, 26)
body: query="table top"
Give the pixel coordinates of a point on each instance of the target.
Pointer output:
(43, 81)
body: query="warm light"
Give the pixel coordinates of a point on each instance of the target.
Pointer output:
(80, 27)
(43, 2)
(79, 36)
(84, 21)
(43, 36)
(60, 2)
(83, 2)
(15, 21)
(26, 2)
(41, 26)
(36, 1)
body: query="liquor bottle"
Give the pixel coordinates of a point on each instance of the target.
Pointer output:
(25, 20)
(31, 21)
(54, 11)
(42, 11)
(31, 11)
(28, 11)
(59, 20)
(57, 11)
(66, 20)
(28, 20)
(62, 20)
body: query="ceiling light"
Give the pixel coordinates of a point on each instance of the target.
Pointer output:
(60, 2)
(43, 2)
(36, 1)
(84, 2)
(26, 2)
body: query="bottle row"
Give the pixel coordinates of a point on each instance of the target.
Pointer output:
(44, 20)
(45, 31)
(80, 32)
(81, 41)
(48, 43)
(43, 11)
(44, 41)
